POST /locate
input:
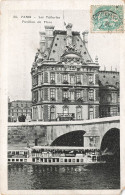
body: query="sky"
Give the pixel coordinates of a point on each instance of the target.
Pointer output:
(23, 41)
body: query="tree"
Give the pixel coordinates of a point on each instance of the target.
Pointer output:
(22, 118)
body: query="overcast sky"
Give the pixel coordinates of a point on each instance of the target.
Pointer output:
(23, 41)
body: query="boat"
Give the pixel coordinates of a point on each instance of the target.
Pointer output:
(55, 155)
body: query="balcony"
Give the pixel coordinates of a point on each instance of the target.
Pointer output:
(52, 82)
(66, 116)
(91, 83)
(52, 99)
(65, 82)
(78, 83)
(66, 100)
(79, 100)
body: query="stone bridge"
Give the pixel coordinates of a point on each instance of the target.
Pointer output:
(88, 132)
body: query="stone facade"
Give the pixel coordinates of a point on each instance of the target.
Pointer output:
(18, 108)
(65, 79)
(109, 93)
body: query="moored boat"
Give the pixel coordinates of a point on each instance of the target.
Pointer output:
(53, 155)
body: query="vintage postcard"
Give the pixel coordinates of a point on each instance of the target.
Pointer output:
(62, 84)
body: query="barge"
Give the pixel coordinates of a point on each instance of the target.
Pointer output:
(56, 155)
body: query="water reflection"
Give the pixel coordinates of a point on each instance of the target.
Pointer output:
(22, 177)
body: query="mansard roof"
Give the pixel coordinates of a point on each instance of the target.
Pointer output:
(109, 78)
(58, 46)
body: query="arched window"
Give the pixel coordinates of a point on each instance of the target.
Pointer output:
(52, 113)
(78, 112)
(91, 113)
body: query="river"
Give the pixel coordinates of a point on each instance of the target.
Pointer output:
(34, 177)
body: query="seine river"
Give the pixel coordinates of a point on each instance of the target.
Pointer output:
(26, 177)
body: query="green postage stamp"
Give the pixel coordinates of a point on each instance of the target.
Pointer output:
(107, 18)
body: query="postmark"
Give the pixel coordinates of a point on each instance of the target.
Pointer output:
(107, 18)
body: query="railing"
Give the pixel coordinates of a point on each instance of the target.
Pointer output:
(66, 116)
(52, 81)
(65, 82)
(52, 99)
(66, 99)
(109, 114)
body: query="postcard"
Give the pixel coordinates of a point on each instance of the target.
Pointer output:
(62, 84)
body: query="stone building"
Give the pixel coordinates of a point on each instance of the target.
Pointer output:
(64, 77)
(109, 93)
(18, 108)
(67, 83)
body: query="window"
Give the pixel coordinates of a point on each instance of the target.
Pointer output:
(79, 113)
(91, 113)
(52, 77)
(78, 94)
(35, 96)
(65, 94)
(114, 97)
(91, 95)
(65, 109)
(90, 79)
(109, 98)
(78, 78)
(52, 93)
(45, 77)
(35, 80)
(65, 77)
(52, 113)
(72, 79)
(114, 111)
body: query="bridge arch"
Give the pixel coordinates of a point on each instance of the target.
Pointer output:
(110, 143)
(73, 138)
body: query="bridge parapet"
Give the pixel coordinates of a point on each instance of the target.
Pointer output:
(59, 123)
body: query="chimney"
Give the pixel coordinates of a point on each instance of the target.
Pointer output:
(49, 35)
(85, 38)
(42, 42)
(96, 59)
(36, 142)
(69, 34)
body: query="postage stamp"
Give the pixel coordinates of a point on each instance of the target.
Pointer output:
(107, 18)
